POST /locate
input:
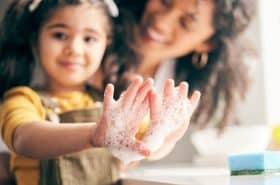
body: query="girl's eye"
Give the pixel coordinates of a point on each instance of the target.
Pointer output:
(60, 36)
(90, 39)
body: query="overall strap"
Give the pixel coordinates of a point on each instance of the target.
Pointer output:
(51, 106)
(54, 113)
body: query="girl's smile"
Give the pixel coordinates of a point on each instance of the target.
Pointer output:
(71, 66)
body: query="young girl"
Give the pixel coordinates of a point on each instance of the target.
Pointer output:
(68, 39)
(69, 47)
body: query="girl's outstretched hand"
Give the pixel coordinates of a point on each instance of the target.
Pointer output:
(120, 120)
(170, 115)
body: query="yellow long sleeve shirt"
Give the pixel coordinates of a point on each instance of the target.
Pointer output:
(23, 105)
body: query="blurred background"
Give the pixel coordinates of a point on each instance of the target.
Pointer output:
(261, 108)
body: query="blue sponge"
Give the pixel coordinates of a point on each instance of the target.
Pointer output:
(254, 163)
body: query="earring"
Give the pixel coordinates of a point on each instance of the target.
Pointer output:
(199, 60)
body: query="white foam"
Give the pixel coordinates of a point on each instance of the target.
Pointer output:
(126, 155)
(120, 137)
(174, 114)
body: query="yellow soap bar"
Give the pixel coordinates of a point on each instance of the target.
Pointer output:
(143, 127)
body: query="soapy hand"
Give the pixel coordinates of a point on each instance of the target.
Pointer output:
(120, 121)
(169, 114)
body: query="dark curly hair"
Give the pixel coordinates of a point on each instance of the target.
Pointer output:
(120, 60)
(18, 31)
(224, 80)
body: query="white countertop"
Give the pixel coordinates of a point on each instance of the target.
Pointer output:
(184, 174)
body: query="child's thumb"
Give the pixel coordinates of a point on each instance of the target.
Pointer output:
(141, 148)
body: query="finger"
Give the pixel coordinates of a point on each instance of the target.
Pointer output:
(141, 148)
(144, 108)
(133, 163)
(143, 91)
(168, 88)
(183, 90)
(155, 106)
(124, 167)
(145, 104)
(122, 94)
(132, 90)
(142, 119)
(194, 100)
(108, 96)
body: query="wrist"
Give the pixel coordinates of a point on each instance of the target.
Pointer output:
(98, 135)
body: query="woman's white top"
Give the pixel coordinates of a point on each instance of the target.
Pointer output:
(165, 71)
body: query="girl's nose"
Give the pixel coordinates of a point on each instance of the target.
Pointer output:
(74, 47)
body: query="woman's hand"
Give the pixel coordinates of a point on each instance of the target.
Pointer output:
(120, 121)
(170, 116)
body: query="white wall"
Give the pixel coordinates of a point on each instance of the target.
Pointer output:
(270, 50)
(253, 110)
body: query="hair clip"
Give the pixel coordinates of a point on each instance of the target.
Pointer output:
(34, 5)
(113, 9)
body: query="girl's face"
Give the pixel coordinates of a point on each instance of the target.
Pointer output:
(173, 28)
(71, 45)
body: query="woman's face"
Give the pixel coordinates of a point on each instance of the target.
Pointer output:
(174, 28)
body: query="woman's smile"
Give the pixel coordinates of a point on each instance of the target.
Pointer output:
(152, 35)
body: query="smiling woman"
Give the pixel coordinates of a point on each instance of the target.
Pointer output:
(177, 28)
(197, 41)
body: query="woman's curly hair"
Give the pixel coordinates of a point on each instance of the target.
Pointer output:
(120, 60)
(224, 80)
